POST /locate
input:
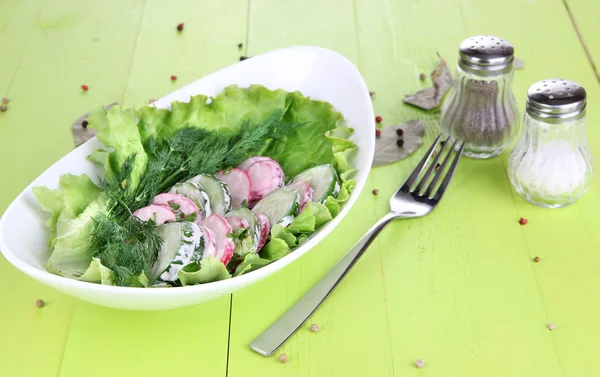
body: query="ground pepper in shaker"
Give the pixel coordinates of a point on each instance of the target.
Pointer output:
(481, 109)
(552, 165)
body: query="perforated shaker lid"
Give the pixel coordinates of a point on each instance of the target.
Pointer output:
(486, 55)
(556, 101)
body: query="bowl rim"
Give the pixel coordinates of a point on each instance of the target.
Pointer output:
(213, 287)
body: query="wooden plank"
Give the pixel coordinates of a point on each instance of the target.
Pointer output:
(208, 42)
(47, 53)
(17, 23)
(159, 343)
(108, 342)
(585, 14)
(353, 339)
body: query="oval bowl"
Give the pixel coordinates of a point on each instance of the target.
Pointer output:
(316, 72)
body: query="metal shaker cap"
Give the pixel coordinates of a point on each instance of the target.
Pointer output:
(486, 55)
(556, 101)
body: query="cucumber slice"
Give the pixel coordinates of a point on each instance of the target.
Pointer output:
(250, 217)
(181, 241)
(279, 206)
(217, 191)
(323, 180)
(193, 192)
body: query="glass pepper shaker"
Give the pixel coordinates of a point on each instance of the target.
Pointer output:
(552, 165)
(481, 109)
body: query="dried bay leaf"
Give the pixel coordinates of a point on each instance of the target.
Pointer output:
(430, 98)
(82, 134)
(386, 149)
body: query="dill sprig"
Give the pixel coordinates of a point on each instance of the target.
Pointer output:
(128, 248)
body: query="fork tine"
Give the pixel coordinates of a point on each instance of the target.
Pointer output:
(448, 177)
(419, 168)
(446, 181)
(429, 192)
(425, 178)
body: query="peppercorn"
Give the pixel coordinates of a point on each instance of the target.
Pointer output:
(378, 119)
(283, 358)
(39, 303)
(422, 76)
(180, 27)
(438, 166)
(377, 133)
(419, 363)
(3, 108)
(84, 88)
(536, 259)
(84, 124)
(242, 58)
(4, 100)
(522, 221)
(400, 142)
(240, 45)
(371, 93)
(399, 132)
(173, 77)
(314, 327)
(375, 192)
(552, 327)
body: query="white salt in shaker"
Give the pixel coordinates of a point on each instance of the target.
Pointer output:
(551, 165)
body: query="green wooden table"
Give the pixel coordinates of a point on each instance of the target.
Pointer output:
(457, 289)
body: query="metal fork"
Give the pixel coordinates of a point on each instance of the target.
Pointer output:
(416, 198)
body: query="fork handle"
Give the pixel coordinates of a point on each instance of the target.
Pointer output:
(282, 329)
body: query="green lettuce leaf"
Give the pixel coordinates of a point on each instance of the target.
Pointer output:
(97, 273)
(118, 129)
(250, 263)
(208, 270)
(140, 281)
(344, 148)
(73, 195)
(281, 243)
(275, 249)
(313, 216)
(226, 112)
(71, 256)
(99, 157)
(305, 146)
(151, 120)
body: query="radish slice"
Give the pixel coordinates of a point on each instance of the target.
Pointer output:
(239, 184)
(160, 214)
(305, 192)
(210, 246)
(184, 207)
(224, 245)
(237, 222)
(265, 227)
(266, 177)
(252, 160)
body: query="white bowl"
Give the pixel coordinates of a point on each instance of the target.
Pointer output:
(316, 72)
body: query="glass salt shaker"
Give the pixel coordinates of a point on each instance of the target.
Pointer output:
(481, 109)
(552, 165)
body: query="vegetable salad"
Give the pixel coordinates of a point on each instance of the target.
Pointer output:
(211, 189)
